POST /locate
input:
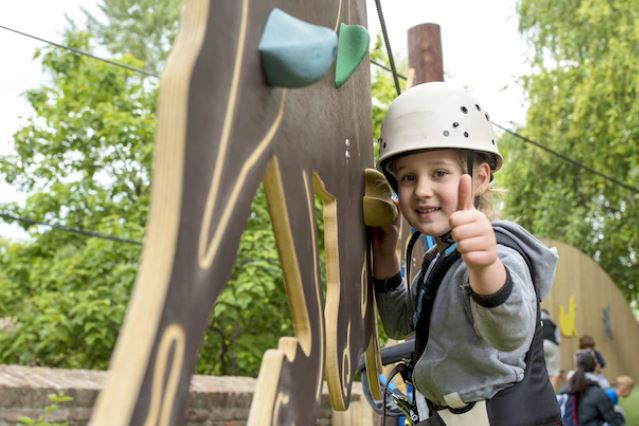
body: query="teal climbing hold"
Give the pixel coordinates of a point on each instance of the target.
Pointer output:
(351, 49)
(295, 53)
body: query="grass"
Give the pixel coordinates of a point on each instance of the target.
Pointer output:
(630, 407)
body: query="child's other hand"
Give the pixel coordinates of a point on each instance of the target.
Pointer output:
(472, 230)
(385, 238)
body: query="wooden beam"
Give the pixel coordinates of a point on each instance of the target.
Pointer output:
(425, 53)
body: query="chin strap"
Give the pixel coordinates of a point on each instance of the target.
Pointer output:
(470, 160)
(447, 238)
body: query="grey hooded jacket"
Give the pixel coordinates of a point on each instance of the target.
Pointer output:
(475, 348)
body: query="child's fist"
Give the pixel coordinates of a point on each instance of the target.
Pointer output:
(471, 229)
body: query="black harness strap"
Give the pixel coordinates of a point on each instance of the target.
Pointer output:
(427, 290)
(409, 253)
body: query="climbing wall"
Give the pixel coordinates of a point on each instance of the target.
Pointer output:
(584, 300)
(254, 91)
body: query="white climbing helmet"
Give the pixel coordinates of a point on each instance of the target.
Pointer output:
(436, 115)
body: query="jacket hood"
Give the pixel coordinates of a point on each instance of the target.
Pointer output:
(543, 259)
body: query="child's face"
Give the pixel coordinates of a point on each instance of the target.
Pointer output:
(427, 188)
(624, 390)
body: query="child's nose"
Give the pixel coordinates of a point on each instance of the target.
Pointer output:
(423, 189)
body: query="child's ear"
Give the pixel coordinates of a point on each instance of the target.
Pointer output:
(482, 178)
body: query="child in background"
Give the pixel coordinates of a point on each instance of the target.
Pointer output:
(588, 342)
(474, 306)
(623, 388)
(593, 406)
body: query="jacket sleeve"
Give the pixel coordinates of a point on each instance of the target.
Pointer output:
(396, 309)
(607, 410)
(506, 319)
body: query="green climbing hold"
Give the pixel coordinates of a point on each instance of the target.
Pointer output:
(351, 48)
(295, 53)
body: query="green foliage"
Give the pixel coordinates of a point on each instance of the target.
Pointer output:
(84, 160)
(251, 313)
(55, 400)
(383, 90)
(144, 29)
(582, 103)
(630, 405)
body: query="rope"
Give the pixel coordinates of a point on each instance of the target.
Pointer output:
(81, 52)
(568, 159)
(389, 51)
(10, 217)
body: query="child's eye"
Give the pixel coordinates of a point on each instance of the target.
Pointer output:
(406, 178)
(440, 173)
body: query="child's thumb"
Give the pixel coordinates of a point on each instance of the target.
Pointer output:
(465, 193)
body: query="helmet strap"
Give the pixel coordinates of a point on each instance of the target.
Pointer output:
(447, 238)
(470, 161)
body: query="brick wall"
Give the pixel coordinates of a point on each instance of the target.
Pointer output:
(213, 401)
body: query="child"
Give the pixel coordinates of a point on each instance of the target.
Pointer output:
(588, 342)
(473, 306)
(623, 389)
(593, 405)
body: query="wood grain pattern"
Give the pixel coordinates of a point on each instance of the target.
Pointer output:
(579, 277)
(220, 132)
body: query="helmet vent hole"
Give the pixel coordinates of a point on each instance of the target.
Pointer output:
(455, 124)
(466, 134)
(487, 116)
(464, 110)
(383, 144)
(446, 133)
(478, 107)
(493, 141)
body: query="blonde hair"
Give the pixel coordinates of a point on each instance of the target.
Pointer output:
(490, 199)
(625, 381)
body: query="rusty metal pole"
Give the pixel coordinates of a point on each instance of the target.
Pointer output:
(425, 53)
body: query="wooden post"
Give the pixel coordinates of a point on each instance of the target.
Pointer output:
(425, 64)
(425, 53)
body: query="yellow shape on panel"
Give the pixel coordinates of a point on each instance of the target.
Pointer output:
(567, 319)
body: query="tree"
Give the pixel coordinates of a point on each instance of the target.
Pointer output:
(83, 158)
(383, 90)
(582, 97)
(144, 29)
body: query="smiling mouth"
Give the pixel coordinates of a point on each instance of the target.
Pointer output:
(427, 210)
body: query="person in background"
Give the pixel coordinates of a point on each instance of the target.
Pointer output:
(623, 388)
(594, 408)
(588, 342)
(552, 338)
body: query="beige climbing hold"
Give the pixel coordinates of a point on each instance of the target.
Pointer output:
(379, 208)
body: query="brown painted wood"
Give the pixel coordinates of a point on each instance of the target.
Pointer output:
(581, 278)
(221, 131)
(425, 53)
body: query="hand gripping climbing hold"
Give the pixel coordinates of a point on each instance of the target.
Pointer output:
(379, 208)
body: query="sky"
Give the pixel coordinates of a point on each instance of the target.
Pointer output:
(482, 51)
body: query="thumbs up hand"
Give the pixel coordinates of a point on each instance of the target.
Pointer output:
(476, 242)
